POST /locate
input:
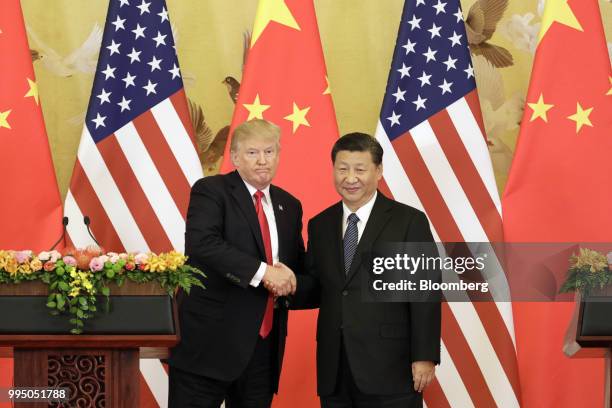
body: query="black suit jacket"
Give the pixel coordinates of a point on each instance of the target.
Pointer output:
(381, 339)
(220, 325)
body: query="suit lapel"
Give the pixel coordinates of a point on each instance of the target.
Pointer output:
(332, 234)
(337, 245)
(379, 217)
(282, 222)
(245, 203)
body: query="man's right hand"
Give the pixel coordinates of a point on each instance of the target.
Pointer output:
(279, 279)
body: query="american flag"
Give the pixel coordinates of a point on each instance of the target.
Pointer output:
(436, 159)
(137, 160)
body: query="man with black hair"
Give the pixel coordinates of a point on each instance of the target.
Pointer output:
(369, 354)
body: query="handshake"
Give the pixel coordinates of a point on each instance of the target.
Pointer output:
(279, 280)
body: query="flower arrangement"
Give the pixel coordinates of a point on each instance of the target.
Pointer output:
(76, 276)
(588, 271)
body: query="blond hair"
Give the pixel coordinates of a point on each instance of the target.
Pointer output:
(254, 127)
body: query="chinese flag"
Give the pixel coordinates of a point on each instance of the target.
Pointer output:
(285, 82)
(30, 208)
(559, 189)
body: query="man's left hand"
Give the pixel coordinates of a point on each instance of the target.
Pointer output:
(422, 374)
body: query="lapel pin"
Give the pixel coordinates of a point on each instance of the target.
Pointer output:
(280, 207)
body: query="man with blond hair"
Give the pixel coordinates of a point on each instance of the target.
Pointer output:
(239, 226)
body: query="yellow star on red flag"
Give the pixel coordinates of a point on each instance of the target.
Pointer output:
(272, 10)
(328, 89)
(298, 117)
(3, 119)
(33, 91)
(557, 11)
(581, 117)
(256, 109)
(539, 109)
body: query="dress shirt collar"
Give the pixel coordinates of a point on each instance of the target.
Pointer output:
(362, 212)
(253, 190)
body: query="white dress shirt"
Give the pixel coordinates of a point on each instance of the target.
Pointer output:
(363, 213)
(266, 203)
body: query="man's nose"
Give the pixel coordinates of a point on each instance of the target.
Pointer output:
(261, 158)
(351, 177)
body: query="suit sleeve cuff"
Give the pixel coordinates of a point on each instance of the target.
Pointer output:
(261, 271)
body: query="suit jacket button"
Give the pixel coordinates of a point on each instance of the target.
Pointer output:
(344, 292)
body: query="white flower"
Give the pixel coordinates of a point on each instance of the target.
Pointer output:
(44, 256)
(609, 256)
(141, 258)
(55, 255)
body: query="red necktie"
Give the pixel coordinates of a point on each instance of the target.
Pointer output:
(266, 324)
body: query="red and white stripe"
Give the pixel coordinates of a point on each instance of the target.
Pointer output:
(442, 167)
(134, 185)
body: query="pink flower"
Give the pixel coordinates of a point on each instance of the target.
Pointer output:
(130, 266)
(96, 264)
(49, 266)
(69, 260)
(141, 258)
(103, 258)
(113, 257)
(123, 256)
(22, 256)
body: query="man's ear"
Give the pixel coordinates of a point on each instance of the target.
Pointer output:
(379, 170)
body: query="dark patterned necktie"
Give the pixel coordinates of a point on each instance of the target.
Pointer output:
(351, 238)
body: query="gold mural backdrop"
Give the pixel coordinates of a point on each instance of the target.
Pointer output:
(358, 37)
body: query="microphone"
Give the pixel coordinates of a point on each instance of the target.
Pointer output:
(87, 221)
(63, 236)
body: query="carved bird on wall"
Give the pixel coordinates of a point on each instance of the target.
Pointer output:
(501, 114)
(35, 55)
(480, 26)
(211, 148)
(233, 87)
(83, 59)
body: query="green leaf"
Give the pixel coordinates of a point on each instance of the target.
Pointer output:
(61, 301)
(60, 271)
(82, 301)
(105, 291)
(63, 286)
(51, 305)
(53, 285)
(79, 313)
